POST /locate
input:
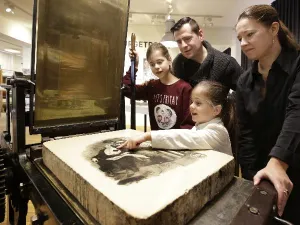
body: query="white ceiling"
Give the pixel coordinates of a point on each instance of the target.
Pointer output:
(22, 11)
(227, 10)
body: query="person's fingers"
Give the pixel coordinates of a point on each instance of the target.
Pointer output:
(283, 188)
(281, 201)
(258, 177)
(122, 145)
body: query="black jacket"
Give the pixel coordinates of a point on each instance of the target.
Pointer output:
(270, 125)
(217, 66)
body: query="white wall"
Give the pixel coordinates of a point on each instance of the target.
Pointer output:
(6, 61)
(17, 66)
(10, 62)
(26, 60)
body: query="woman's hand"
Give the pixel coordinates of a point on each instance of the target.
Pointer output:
(275, 171)
(133, 143)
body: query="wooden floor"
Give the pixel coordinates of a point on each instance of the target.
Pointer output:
(30, 139)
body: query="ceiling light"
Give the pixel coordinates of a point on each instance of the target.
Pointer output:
(9, 6)
(168, 38)
(12, 50)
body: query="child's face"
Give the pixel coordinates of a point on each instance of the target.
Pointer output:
(202, 109)
(159, 64)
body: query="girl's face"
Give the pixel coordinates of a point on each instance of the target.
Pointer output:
(159, 64)
(202, 109)
(256, 40)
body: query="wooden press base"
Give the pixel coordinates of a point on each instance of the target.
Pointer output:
(136, 187)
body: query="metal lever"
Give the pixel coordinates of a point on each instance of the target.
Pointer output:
(278, 219)
(282, 221)
(21, 81)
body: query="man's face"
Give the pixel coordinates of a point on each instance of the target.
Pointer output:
(189, 43)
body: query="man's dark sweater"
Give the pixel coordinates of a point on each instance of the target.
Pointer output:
(217, 66)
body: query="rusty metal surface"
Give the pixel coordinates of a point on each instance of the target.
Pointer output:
(80, 60)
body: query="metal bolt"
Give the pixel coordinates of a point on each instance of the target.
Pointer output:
(35, 220)
(263, 192)
(254, 210)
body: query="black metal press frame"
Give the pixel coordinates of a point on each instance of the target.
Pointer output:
(24, 180)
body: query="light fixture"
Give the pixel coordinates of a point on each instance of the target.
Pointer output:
(168, 38)
(12, 50)
(9, 7)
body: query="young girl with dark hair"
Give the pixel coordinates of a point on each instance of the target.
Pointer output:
(213, 114)
(168, 96)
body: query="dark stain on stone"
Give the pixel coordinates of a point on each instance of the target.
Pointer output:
(127, 166)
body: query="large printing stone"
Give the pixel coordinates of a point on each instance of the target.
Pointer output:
(136, 187)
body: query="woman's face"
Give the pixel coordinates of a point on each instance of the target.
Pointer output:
(256, 39)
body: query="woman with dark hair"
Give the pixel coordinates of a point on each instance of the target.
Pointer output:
(268, 106)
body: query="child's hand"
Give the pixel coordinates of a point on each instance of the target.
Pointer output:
(133, 143)
(134, 55)
(129, 144)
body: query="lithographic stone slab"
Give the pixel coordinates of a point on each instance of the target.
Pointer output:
(144, 186)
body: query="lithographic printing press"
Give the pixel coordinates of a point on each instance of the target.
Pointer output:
(76, 175)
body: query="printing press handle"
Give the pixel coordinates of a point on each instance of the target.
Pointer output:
(260, 207)
(132, 99)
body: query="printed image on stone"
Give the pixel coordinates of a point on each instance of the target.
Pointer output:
(128, 166)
